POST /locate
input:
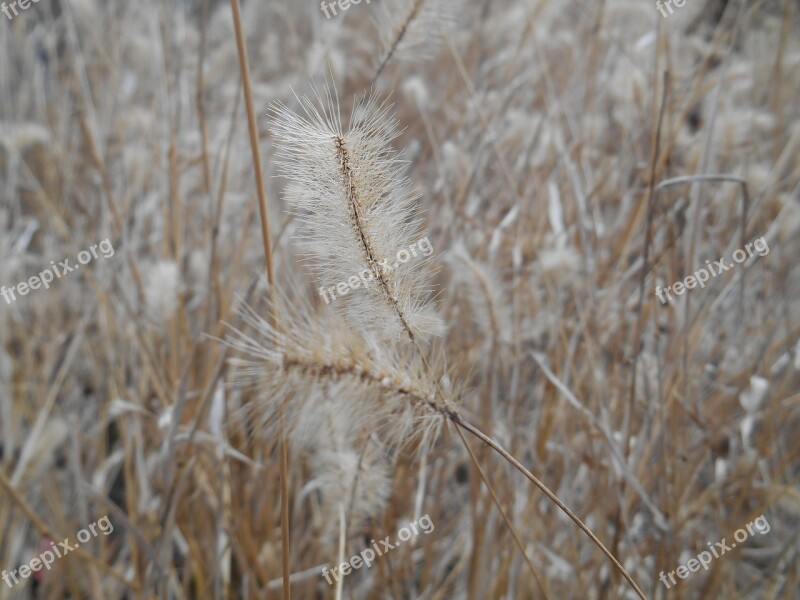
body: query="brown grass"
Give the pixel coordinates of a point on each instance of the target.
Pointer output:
(555, 202)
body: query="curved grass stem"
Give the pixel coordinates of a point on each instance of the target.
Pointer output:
(458, 421)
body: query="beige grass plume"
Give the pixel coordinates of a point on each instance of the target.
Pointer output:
(357, 210)
(313, 359)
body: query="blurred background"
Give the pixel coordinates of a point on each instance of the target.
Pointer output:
(561, 150)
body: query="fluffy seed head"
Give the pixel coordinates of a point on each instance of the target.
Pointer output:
(313, 360)
(358, 212)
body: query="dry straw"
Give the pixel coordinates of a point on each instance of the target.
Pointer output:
(532, 141)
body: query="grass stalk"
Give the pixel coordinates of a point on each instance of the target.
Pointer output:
(265, 237)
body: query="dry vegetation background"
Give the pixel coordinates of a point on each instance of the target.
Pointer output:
(530, 131)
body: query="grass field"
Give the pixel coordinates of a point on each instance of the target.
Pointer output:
(549, 401)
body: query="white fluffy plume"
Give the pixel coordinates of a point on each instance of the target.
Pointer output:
(357, 209)
(311, 360)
